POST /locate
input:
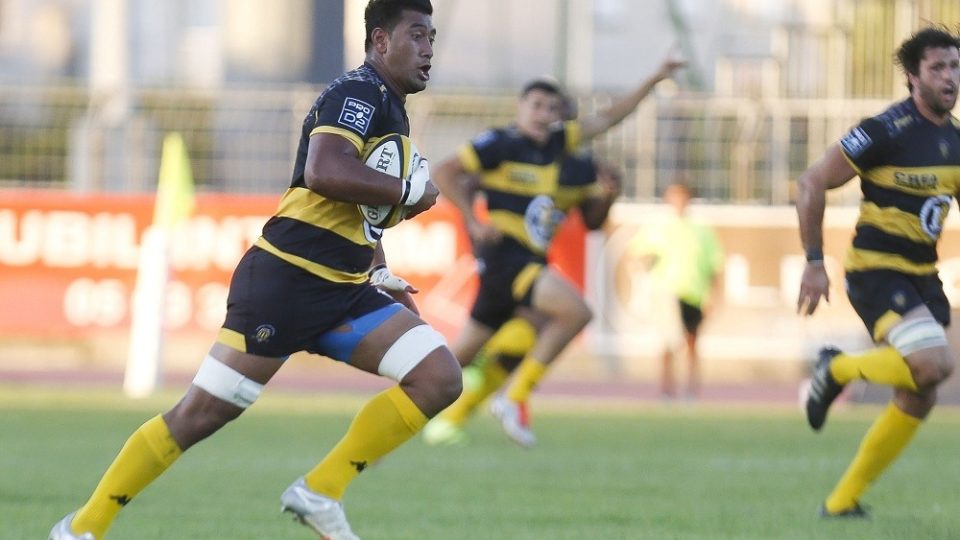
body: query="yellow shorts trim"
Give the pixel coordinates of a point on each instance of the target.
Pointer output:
(233, 339)
(317, 269)
(525, 279)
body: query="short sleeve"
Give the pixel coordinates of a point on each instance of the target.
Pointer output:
(348, 110)
(483, 153)
(867, 145)
(573, 136)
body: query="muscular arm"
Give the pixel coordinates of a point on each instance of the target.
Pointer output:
(594, 125)
(596, 209)
(456, 185)
(829, 172)
(460, 188)
(334, 170)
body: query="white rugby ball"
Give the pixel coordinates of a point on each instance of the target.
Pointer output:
(392, 154)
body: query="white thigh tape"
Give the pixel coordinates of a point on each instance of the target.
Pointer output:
(914, 335)
(226, 383)
(409, 350)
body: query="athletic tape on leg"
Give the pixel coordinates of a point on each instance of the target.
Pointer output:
(226, 383)
(409, 350)
(914, 335)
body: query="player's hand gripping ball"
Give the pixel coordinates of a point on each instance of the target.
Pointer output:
(397, 156)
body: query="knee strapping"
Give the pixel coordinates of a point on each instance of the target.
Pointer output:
(226, 383)
(913, 335)
(409, 350)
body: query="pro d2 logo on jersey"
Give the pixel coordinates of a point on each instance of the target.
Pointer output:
(356, 114)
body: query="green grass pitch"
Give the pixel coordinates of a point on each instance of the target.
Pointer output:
(635, 472)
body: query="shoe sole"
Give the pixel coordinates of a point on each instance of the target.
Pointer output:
(299, 519)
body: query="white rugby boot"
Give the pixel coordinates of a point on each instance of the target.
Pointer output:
(62, 531)
(322, 514)
(512, 421)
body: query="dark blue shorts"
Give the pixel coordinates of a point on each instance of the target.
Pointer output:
(276, 309)
(507, 273)
(881, 297)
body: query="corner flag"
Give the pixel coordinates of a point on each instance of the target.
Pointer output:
(174, 204)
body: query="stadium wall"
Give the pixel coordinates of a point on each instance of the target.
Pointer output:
(68, 268)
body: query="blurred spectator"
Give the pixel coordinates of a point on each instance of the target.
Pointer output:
(685, 260)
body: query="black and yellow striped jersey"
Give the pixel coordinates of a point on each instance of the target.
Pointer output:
(330, 238)
(909, 174)
(529, 188)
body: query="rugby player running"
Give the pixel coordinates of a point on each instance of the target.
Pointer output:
(908, 161)
(304, 286)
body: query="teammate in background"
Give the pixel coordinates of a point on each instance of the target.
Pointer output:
(908, 160)
(686, 261)
(501, 355)
(517, 170)
(305, 286)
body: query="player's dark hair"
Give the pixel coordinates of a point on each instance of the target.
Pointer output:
(386, 14)
(912, 50)
(543, 85)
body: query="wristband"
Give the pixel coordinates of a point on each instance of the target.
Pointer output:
(404, 192)
(815, 255)
(374, 269)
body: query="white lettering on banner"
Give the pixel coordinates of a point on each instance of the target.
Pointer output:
(412, 248)
(68, 239)
(204, 242)
(64, 239)
(105, 303)
(114, 241)
(89, 302)
(19, 249)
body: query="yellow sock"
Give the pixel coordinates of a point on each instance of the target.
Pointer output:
(515, 338)
(882, 365)
(529, 373)
(148, 452)
(383, 424)
(883, 442)
(490, 379)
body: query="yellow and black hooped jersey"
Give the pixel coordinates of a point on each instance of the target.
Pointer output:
(529, 188)
(909, 173)
(325, 237)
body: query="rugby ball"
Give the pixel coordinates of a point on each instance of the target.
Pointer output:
(392, 154)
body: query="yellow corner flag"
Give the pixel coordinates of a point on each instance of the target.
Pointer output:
(175, 187)
(173, 206)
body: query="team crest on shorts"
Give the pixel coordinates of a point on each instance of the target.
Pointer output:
(899, 299)
(264, 332)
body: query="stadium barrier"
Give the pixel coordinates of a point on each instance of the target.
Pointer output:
(739, 150)
(68, 265)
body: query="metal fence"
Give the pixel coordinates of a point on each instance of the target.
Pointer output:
(736, 150)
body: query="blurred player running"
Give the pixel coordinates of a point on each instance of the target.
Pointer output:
(501, 355)
(517, 169)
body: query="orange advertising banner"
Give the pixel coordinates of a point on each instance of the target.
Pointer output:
(68, 262)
